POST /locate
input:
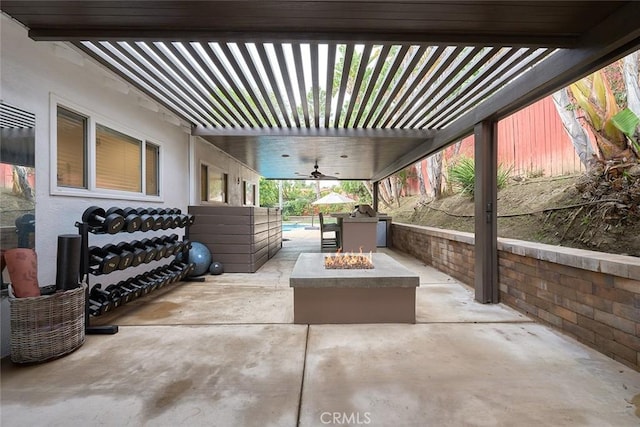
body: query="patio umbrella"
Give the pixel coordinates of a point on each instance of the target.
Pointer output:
(332, 199)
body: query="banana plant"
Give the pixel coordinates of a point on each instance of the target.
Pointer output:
(593, 95)
(629, 124)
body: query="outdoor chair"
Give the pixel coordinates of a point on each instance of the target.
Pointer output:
(329, 242)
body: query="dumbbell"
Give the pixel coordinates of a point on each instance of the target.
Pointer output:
(162, 277)
(183, 253)
(145, 283)
(175, 215)
(95, 308)
(185, 268)
(101, 262)
(172, 243)
(169, 243)
(118, 295)
(181, 220)
(139, 254)
(102, 298)
(165, 274)
(97, 218)
(132, 221)
(156, 281)
(159, 248)
(134, 291)
(173, 271)
(152, 213)
(169, 217)
(179, 269)
(126, 256)
(161, 221)
(148, 222)
(149, 252)
(165, 248)
(151, 283)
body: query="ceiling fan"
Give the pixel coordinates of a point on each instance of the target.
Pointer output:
(316, 174)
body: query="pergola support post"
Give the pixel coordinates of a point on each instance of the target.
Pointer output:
(486, 225)
(376, 200)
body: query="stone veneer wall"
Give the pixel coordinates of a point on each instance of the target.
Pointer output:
(592, 296)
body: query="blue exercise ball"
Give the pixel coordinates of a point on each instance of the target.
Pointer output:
(199, 255)
(216, 268)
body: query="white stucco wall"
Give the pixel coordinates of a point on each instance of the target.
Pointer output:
(34, 72)
(206, 153)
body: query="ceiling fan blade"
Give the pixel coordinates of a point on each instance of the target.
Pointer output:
(316, 174)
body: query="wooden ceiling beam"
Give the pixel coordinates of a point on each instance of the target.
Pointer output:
(435, 39)
(316, 132)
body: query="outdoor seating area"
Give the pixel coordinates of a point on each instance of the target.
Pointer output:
(227, 350)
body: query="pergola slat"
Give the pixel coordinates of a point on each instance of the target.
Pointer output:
(157, 77)
(448, 56)
(364, 61)
(297, 58)
(231, 109)
(286, 77)
(143, 79)
(233, 89)
(457, 85)
(177, 76)
(497, 82)
(240, 72)
(446, 107)
(259, 80)
(315, 83)
(344, 78)
(406, 73)
(262, 54)
(448, 76)
(331, 61)
(391, 72)
(382, 57)
(434, 54)
(198, 74)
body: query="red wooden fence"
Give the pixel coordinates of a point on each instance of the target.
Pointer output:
(531, 141)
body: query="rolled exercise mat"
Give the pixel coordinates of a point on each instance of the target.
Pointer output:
(68, 262)
(22, 265)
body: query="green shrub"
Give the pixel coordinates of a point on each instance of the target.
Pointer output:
(462, 174)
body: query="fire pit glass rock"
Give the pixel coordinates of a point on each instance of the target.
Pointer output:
(348, 261)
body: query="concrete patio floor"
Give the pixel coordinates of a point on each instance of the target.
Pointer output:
(225, 353)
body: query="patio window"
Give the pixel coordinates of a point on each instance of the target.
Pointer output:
(213, 184)
(152, 169)
(118, 160)
(71, 149)
(100, 158)
(249, 193)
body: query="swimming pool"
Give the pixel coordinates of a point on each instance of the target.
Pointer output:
(294, 226)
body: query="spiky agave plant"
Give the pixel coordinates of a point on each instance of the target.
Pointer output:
(462, 174)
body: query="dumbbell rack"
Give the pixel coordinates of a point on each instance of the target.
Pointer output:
(85, 229)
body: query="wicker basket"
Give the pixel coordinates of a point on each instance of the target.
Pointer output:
(48, 326)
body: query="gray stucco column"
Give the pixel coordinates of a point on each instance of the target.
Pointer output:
(486, 226)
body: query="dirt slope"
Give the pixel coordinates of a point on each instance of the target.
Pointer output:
(533, 210)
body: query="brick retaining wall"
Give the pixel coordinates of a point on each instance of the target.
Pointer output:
(592, 296)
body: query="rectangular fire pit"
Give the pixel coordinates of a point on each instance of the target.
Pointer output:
(383, 294)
